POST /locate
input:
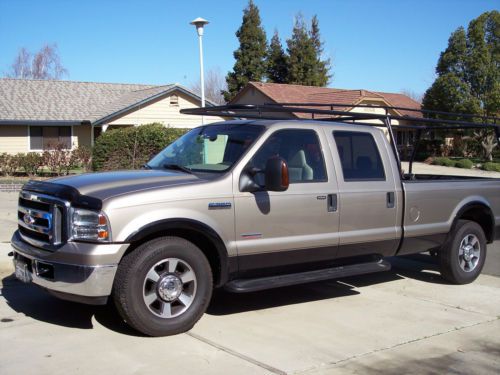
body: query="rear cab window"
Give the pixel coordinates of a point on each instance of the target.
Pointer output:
(359, 156)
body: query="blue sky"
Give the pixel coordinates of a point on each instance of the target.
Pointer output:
(379, 45)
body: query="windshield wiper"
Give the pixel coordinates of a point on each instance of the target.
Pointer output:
(177, 167)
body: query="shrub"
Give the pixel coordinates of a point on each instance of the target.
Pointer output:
(131, 147)
(58, 159)
(446, 162)
(10, 163)
(31, 162)
(83, 157)
(464, 163)
(489, 166)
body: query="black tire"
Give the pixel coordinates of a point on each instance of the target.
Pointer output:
(452, 263)
(131, 282)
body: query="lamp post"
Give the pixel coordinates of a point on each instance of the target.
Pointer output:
(199, 23)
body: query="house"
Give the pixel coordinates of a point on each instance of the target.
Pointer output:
(35, 114)
(262, 93)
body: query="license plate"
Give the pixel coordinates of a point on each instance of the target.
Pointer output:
(21, 271)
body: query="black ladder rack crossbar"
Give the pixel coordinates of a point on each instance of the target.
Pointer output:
(420, 124)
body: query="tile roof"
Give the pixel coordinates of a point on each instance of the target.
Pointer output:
(285, 93)
(51, 100)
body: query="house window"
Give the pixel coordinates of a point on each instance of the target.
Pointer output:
(48, 137)
(174, 101)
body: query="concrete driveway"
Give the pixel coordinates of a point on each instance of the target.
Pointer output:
(403, 321)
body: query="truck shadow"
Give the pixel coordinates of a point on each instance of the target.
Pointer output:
(37, 304)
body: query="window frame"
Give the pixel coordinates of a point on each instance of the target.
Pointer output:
(384, 179)
(321, 149)
(42, 149)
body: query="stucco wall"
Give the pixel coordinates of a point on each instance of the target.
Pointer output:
(13, 139)
(163, 112)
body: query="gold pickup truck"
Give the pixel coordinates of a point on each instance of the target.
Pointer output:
(246, 205)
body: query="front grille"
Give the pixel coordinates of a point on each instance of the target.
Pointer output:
(42, 220)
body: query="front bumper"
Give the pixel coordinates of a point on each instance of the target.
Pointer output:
(82, 272)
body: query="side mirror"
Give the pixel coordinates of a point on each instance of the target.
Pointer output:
(276, 174)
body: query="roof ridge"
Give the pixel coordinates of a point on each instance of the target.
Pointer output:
(154, 87)
(70, 81)
(289, 84)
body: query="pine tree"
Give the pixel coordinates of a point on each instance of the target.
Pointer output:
(468, 73)
(250, 57)
(322, 66)
(277, 61)
(304, 50)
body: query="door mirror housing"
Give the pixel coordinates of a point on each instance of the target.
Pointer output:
(276, 174)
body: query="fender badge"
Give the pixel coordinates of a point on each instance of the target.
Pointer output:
(219, 205)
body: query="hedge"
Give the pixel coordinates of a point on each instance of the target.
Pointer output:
(447, 162)
(489, 166)
(58, 161)
(464, 163)
(131, 147)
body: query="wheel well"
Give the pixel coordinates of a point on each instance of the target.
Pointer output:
(203, 241)
(482, 215)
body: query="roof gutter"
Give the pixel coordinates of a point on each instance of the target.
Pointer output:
(45, 122)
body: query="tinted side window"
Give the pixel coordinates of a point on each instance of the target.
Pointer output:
(301, 150)
(359, 156)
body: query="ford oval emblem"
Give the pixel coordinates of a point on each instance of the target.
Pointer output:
(28, 219)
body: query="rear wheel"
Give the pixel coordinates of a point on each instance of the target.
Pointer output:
(163, 287)
(462, 256)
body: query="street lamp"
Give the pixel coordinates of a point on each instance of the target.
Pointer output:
(199, 23)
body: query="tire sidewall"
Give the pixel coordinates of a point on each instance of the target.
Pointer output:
(463, 229)
(154, 252)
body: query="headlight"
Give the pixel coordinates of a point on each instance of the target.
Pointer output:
(89, 225)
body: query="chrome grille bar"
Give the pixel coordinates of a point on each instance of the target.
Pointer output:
(41, 219)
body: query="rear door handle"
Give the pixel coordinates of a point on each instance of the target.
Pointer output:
(391, 201)
(332, 203)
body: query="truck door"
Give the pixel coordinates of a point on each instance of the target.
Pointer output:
(369, 199)
(292, 227)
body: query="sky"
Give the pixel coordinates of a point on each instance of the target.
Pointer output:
(383, 45)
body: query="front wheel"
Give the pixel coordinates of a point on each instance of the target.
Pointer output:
(163, 287)
(462, 256)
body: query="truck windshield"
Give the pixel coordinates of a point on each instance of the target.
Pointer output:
(212, 148)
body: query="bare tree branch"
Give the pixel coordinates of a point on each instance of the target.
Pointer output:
(45, 64)
(215, 83)
(412, 94)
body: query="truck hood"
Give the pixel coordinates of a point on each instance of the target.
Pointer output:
(104, 185)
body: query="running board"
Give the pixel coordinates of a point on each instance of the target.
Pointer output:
(270, 282)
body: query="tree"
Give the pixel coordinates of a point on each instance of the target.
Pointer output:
(250, 62)
(306, 66)
(322, 66)
(277, 61)
(215, 84)
(468, 74)
(45, 64)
